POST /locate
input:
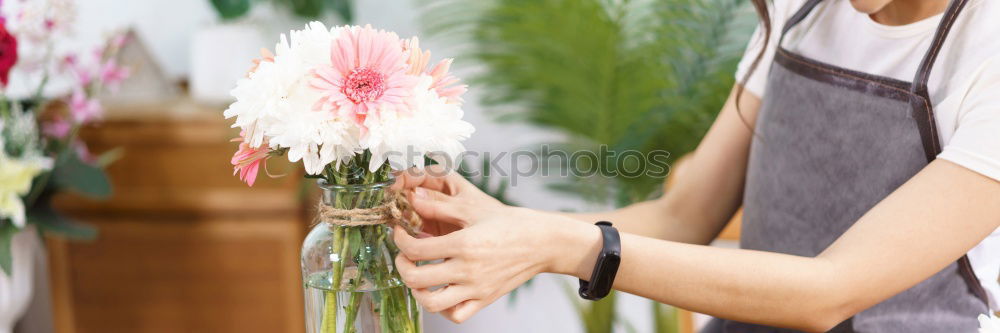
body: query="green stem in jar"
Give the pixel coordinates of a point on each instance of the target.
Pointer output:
(359, 252)
(329, 322)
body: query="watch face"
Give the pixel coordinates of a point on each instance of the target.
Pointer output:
(610, 267)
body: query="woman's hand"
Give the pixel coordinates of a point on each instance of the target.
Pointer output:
(494, 249)
(417, 182)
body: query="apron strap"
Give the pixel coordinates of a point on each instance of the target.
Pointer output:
(920, 100)
(924, 71)
(926, 64)
(797, 17)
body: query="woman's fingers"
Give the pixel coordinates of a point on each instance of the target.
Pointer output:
(443, 298)
(431, 248)
(433, 177)
(414, 178)
(437, 206)
(463, 311)
(428, 275)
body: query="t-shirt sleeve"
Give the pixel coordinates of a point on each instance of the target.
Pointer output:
(976, 141)
(757, 80)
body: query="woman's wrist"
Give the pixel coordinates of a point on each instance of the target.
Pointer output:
(568, 246)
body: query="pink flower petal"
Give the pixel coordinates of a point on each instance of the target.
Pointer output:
(364, 46)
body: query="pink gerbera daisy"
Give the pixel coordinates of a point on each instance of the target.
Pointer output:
(247, 160)
(443, 82)
(368, 71)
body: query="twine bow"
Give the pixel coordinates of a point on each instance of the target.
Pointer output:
(396, 210)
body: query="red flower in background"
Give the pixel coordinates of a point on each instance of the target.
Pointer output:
(8, 54)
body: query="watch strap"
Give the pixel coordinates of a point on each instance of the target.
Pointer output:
(606, 266)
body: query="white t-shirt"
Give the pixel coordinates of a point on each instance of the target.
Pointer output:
(964, 83)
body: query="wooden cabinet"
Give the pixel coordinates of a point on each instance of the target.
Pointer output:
(183, 245)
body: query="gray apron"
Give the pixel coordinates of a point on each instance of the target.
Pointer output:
(831, 143)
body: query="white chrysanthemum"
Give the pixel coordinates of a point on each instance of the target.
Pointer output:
(277, 102)
(432, 127)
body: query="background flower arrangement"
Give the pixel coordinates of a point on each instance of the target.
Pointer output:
(41, 152)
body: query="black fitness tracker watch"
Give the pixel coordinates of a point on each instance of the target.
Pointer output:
(606, 267)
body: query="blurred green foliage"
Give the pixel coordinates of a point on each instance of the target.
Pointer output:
(665, 318)
(231, 9)
(641, 75)
(307, 9)
(314, 9)
(633, 75)
(483, 180)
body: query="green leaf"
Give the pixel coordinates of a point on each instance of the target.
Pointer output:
(74, 174)
(231, 9)
(7, 231)
(110, 156)
(51, 222)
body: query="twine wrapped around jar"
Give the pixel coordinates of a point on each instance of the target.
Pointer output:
(396, 210)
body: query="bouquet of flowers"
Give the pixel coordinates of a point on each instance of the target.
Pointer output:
(353, 104)
(40, 152)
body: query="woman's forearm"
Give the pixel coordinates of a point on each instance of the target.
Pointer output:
(762, 287)
(650, 219)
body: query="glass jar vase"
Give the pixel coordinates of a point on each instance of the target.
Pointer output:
(350, 281)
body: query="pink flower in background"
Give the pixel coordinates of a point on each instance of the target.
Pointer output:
(100, 66)
(112, 75)
(368, 72)
(56, 128)
(442, 81)
(8, 54)
(80, 72)
(82, 108)
(248, 160)
(83, 152)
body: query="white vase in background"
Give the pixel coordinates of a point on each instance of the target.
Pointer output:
(220, 55)
(16, 289)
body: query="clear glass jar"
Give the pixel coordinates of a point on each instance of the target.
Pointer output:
(351, 284)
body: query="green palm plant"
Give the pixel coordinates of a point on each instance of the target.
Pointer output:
(639, 75)
(307, 9)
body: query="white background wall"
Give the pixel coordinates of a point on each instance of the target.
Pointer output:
(167, 27)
